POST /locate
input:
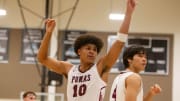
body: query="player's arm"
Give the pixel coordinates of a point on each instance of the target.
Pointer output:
(122, 35)
(51, 63)
(133, 84)
(154, 90)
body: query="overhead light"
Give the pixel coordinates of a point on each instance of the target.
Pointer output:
(2, 6)
(117, 8)
(2, 12)
(116, 16)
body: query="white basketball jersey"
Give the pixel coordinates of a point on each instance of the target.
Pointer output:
(87, 86)
(118, 88)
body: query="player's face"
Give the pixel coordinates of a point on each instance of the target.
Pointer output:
(88, 53)
(139, 62)
(30, 97)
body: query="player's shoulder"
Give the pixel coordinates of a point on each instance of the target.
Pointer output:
(133, 81)
(134, 76)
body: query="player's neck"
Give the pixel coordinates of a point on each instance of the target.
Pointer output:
(85, 67)
(131, 70)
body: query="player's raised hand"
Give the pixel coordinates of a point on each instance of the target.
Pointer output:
(50, 24)
(131, 4)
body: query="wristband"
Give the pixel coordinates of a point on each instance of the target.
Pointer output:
(122, 37)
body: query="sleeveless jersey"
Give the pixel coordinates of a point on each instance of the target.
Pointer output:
(118, 88)
(87, 86)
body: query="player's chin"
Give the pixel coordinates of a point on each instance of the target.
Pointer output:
(142, 68)
(91, 61)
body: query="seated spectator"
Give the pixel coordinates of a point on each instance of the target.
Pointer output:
(29, 96)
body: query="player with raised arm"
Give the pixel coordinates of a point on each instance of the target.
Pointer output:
(86, 81)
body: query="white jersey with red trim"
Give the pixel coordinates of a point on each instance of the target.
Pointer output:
(118, 88)
(87, 86)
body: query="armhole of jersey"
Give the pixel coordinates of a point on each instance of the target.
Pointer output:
(73, 67)
(96, 69)
(126, 76)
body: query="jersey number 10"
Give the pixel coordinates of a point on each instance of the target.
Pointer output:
(79, 90)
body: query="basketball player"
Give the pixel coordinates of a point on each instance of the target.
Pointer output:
(29, 96)
(86, 81)
(128, 86)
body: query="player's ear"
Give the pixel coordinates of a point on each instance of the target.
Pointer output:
(129, 60)
(79, 51)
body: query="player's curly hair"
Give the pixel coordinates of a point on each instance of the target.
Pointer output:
(87, 39)
(130, 52)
